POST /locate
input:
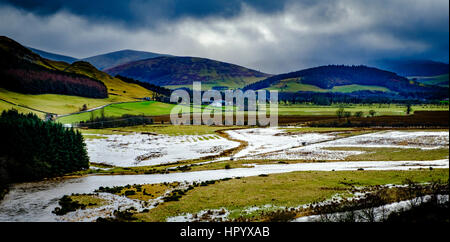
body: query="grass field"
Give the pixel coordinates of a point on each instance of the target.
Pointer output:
(394, 154)
(7, 106)
(62, 104)
(59, 104)
(288, 189)
(231, 83)
(354, 88)
(150, 108)
(90, 201)
(147, 108)
(294, 85)
(380, 109)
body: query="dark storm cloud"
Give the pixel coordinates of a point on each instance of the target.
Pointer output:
(272, 36)
(146, 12)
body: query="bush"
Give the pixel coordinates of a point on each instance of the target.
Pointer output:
(67, 205)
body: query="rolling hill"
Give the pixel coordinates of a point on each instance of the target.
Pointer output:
(176, 72)
(32, 83)
(52, 56)
(23, 71)
(348, 79)
(116, 58)
(116, 87)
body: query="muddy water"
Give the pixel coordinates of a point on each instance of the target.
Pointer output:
(35, 201)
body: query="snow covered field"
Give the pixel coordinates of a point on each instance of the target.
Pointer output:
(264, 140)
(35, 201)
(313, 149)
(263, 143)
(144, 150)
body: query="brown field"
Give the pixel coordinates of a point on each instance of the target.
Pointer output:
(420, 119)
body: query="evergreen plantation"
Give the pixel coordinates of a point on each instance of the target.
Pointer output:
(34, 149)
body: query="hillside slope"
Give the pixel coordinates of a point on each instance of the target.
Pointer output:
(116, 58)
(115, 86)
(183, 71)
(21, 70)
(440, 80)
(24, 73)
(346, 79)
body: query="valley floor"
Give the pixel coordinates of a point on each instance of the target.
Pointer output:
(205, 173)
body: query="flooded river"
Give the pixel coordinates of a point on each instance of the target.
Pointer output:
(35, 201)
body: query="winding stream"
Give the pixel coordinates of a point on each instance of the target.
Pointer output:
(35, 201)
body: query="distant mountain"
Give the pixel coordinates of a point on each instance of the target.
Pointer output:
(183, 71)
(348, 79)
(24, 71)
(52, 56)
(116, 58)
(413, 67)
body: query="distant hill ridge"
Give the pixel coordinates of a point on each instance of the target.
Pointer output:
(52, 56)
(109, 60)
(331, 76)
(165, 71)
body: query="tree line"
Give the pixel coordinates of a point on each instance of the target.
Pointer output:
(160, 93)
(33, 149)
(358, 97)
(114, 122)
(327, 77)
(35, 81)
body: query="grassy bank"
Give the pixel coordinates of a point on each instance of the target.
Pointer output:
(394, 154)
(287, 189)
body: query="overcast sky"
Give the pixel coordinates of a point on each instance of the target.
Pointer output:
(272, 36)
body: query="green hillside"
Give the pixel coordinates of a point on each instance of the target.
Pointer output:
(356, 87)
(116, 87)
(440, 80)
(148, 108)
(177, 72)
(295, 85)
(361, 82)
(54, 103)
(12, 95)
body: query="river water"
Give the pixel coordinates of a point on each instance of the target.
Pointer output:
(35, 201)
